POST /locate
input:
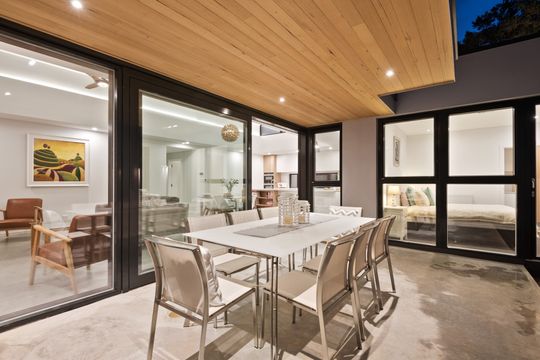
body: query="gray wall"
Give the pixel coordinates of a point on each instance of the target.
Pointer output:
(359, 169)
(506, 72)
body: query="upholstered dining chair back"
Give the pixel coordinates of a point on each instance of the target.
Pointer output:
(380, 238)
(22, 208)
(238, 217)
(268, 212)
(332, 277)
(180, 275)
(200, 223)
(359, 254)
(345, 210)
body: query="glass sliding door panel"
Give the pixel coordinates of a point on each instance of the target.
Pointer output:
(327, 156)
(56, 153)
(414, 206)
(193, 164)
(408, 148)
(481, 143)
(482, 217)
(324, 197)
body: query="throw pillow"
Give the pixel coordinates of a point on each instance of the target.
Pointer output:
(215, 297)
(403, 199)
(420, 198)
(410, 195)
(429, 195)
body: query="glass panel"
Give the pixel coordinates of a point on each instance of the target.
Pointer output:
(193, 164)
(324, 196)
(408, 148)
(482, 217)
(327, 156)
(56, 156)
(274, 162)
(414, 206)
(481, 143)
(484, 24)
(537, 118)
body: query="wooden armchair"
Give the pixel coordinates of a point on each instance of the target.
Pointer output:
(88, 242)
(19, 214)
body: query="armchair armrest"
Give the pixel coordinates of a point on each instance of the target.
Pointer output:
(38, 215)
(3, 211)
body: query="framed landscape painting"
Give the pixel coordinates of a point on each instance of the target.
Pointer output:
(57, 161)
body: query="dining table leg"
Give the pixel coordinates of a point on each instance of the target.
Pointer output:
(274, 343)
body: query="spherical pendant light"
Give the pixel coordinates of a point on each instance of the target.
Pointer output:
(230, 133)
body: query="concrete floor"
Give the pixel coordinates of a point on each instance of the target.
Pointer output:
(445, 307)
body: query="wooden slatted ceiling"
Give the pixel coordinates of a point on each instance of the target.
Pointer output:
(327, 58)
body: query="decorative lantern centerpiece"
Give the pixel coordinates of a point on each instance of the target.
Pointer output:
(230, 133)
(288, 210)
(303, 211)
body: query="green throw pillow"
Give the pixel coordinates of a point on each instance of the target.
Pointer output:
(410, 196)
(429, 195)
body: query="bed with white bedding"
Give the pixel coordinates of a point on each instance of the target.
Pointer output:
(472, 215)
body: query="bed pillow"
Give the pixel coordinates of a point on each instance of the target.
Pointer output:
(420, 198)
(215, 297)
(429, 195)
(403, 199)
(410, 196)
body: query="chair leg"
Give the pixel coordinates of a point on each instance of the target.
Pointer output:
(290, 262)
(7, 233)
(379, 292)
(203, 338)
(371, 278)
(294, 314)
(267, 270)
(391, 271)
(324, 343)
(357, 315)
(32, 272)
(257, 282)
(263, 316)
(254, 305)
(152, 331)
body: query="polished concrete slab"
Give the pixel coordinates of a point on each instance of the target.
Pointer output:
(445, 307)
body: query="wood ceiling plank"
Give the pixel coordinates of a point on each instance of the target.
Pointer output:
(328, 58)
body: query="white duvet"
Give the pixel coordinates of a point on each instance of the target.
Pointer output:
(500, 214)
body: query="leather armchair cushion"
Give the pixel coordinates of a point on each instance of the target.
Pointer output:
(15, 224)
(22, 208)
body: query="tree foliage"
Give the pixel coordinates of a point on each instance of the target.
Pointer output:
(507, 20)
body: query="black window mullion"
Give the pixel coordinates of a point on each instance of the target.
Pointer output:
(441, 169)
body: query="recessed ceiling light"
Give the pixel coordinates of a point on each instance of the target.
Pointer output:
(77, 4)
(268, 153)
(390, 73)
(185, 143)
(317, 146)
(428, 130)
(329, 148)
(32, 62)
(7, 93)
(102, 83)
(225, 111)
(536, 116)
(95, 128)
(282, 99)
(175, 126)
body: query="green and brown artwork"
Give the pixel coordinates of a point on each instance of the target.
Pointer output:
(57, 160)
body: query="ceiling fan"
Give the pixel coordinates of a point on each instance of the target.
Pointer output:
(98, 82)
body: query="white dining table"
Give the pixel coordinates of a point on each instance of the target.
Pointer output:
(323, 227)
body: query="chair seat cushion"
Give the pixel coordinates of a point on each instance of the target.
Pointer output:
(54, 252)
(233, 263)
(231, 291)
(298, 286)
(313, 264)
(15, 223)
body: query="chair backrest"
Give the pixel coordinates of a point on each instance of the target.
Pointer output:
(92, 224)
(22, 208)
(200, 223)
(180, 274)
(238, 217)
(379, 248)
(268, 212)
(359, 254)
(332, 277)
(345, 210)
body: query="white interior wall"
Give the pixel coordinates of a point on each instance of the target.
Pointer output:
(257, 172)
(13, 147)
(327, 160)
(390, 170)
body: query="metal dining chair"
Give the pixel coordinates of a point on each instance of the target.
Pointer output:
(268, 212)
(182, 287)
(320, 294)
(238, 217)
(380, 251)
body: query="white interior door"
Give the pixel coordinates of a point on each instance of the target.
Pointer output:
(174, 181)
